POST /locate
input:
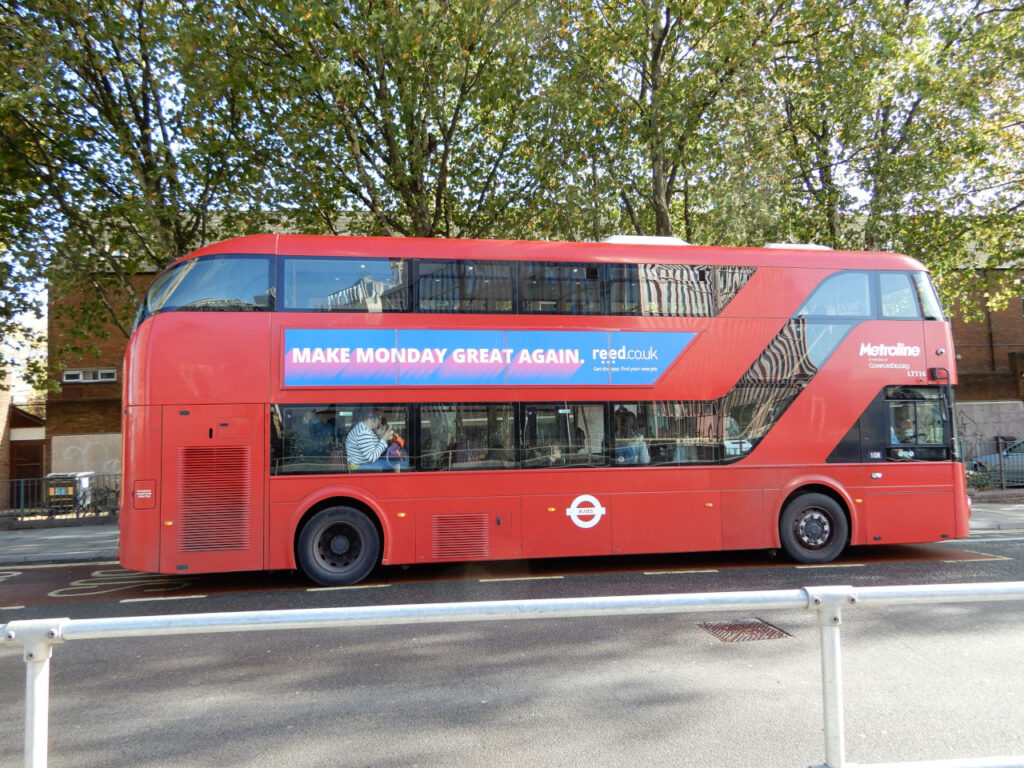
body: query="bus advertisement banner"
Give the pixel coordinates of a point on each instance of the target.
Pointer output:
(420, 357)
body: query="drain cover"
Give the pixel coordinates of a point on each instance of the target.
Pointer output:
(742, 630)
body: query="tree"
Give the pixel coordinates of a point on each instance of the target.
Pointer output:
(425, 116)
(901, 122)
(116, 156)
(656, 79)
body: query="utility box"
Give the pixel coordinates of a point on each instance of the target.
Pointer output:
(69, 492)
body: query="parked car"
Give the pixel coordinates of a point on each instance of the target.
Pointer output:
(1011, 459)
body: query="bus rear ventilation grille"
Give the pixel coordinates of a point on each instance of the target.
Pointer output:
(461, 537)
(214, 498)
(743, 630)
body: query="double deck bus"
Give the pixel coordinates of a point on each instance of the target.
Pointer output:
(553, 400)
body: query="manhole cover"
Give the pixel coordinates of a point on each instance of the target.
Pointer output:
(742, 630)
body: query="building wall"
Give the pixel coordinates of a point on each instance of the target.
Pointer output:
(990, 354)
(99, 453)
(84, 419)
(990, 361)
(984, 422)
(5, 435)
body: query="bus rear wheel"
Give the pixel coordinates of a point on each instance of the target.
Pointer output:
(338, 546)
(813, 529)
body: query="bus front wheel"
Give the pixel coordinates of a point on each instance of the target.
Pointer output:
(338, 546)
(813, 529)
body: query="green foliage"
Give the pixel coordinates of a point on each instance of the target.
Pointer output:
(115, 158)
(133, 133)
(424, 115)
(901, 123)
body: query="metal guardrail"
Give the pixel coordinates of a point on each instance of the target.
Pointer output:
(38, 636)
(76, 494)
(995, 463)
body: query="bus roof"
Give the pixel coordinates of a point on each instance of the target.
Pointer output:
(672, 252)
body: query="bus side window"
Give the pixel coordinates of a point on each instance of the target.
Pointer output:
(465, 436)
(345, 285)
(845, 294)
(629, 435)
(555, 288)
(464, 286)
(562, 434)
(898, 296)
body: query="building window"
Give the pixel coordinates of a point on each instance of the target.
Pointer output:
(89, 375)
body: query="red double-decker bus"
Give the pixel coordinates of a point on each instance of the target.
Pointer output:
(333, 403)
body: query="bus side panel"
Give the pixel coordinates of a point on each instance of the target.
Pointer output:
(912, 502)
(559, 525)
(139, 519)
(909, 515)
(743, 520)
(963, 504)
(703, 372)
(468, 528)
(214, 461)
(675, 521)
(899, 502)
(197, 357)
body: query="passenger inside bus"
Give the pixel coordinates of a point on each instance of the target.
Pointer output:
(630, 445)
(367, 441)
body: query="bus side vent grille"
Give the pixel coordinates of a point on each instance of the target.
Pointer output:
(461, 537)
(214, 498)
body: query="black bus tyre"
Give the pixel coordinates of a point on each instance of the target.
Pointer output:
(813, 529)
(338, 546)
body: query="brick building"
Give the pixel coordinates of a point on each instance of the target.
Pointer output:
(990, 355)
(990, 361)
(22, 449)
(84, 416)
(5, 435)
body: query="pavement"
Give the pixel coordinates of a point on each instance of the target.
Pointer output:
(991, 511)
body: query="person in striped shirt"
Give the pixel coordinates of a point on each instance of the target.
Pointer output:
(367, 440)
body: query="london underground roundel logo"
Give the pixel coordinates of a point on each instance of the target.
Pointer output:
(585, 516)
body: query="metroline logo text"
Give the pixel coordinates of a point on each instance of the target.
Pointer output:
(883, 350)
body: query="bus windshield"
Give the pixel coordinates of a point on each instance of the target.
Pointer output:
(241, 283)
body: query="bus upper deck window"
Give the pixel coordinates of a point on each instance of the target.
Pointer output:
(846, 294)
(217, 283)
(345, 285)
(926, 295)
(898, 295)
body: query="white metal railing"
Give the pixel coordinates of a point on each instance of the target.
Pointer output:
(38, 636)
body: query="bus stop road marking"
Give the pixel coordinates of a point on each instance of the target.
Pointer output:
(672, 573)
(977, 556)
(830, 565)
(46, 566)
(520, 578)
(352, 586)
(156, 599)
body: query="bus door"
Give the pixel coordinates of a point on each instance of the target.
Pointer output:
(213, 490)
(909, 497)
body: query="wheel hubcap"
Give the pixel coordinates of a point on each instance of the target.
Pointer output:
(813, 529)
(339, 546)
